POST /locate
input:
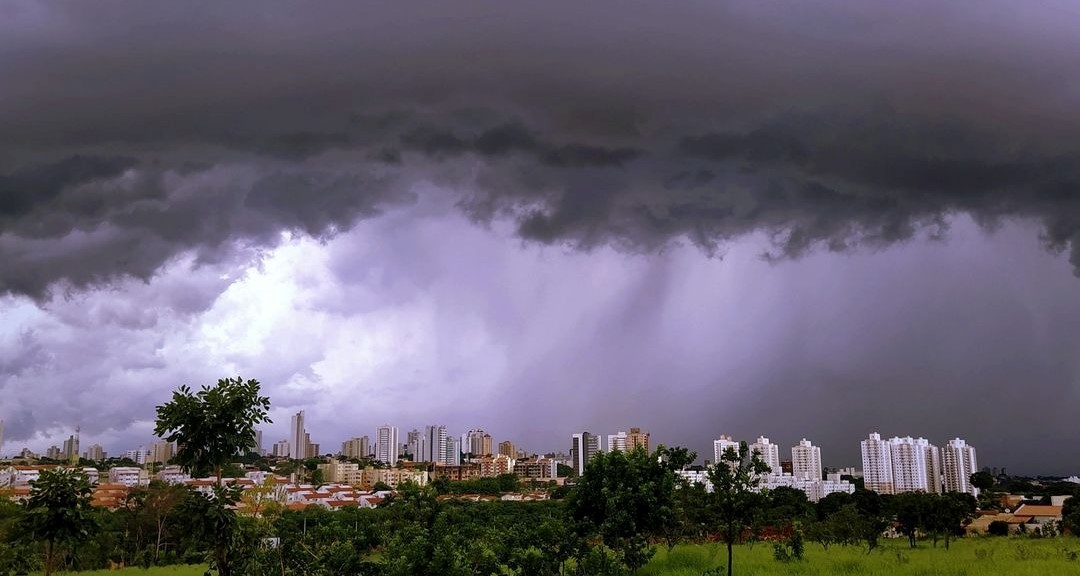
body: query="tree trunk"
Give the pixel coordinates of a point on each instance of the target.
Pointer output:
(729, 545)
(48, 557)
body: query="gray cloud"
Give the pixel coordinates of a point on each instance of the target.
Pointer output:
(145, 139)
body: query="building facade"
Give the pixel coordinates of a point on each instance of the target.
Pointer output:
(386, 444)
(637, 438)
(721, 444)
(298, 438)
(583, 446)
(877, 464)
(958, 464)
(806, 461)
(769, 452)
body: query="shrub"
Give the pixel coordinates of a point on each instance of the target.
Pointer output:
(998, 528)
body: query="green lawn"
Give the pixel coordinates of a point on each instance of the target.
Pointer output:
(183, 570)
(970, 556)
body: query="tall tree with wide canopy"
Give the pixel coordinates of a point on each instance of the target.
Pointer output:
(627, 498)
(209, 427)
(212, 425)
(58, 513)
(735, 499)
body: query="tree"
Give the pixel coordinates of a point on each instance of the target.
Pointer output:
(998, 528)
(627, 498)
(212, 520)
(58, 512)
(735, 500)
(982, 480)
(212, 425)
(871, 508)
(910, 509)
(1070, 515)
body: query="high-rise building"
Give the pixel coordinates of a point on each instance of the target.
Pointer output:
(1, 436)
(769, 453)
(161, 452)
(386, 444)
(138, 455)
(95, 453)
(912, 464)
(356, 447)
(877, 464)
(299, 440)
(637, 438)
(258, 443)
(54, 453)
(416, 444)
(721, 444)
(478, 443)
(958, 464)
(281, 449)
(452, 454)
(584, 445)
(434, 448)
(71, 448)
(806, 461)
(616, 441)
(507, 448)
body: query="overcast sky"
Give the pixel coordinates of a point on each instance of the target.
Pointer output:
(799, 220)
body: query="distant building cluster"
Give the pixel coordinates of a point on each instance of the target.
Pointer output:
(914, 464)
(803, 472)
(889, 466)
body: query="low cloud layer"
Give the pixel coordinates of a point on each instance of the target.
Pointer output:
(153, 155)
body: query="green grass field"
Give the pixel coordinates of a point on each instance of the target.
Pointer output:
(192, 570)
(970, 556)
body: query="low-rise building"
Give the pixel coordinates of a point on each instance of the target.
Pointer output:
(129, 476)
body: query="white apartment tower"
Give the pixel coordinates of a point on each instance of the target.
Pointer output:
(720, 445)
(877, 464)
(434, 445)
(806, 461)
(913, 464)
(1, 436)
(386, 444)
(584, 445)
(298, 438)
(452, 455)
(616, 442)
(958, 464)
(769, 453)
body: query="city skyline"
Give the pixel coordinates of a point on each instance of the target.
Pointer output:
(700, 218)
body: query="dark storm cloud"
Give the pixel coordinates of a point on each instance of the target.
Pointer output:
(86, 230)
(137, 135)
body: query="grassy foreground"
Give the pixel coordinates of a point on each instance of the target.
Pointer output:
(180, 570)
(972, 556)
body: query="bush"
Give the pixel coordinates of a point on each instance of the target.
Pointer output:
(998, 528)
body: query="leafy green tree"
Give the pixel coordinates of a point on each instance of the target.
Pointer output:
(212, 521)
(786, 506)
(910, 509)
(212, 425)
(998, 528)
(735, 500)
(627, 498)
(1070, 515)
(983, 480)
(58, 513)
(871, 508)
